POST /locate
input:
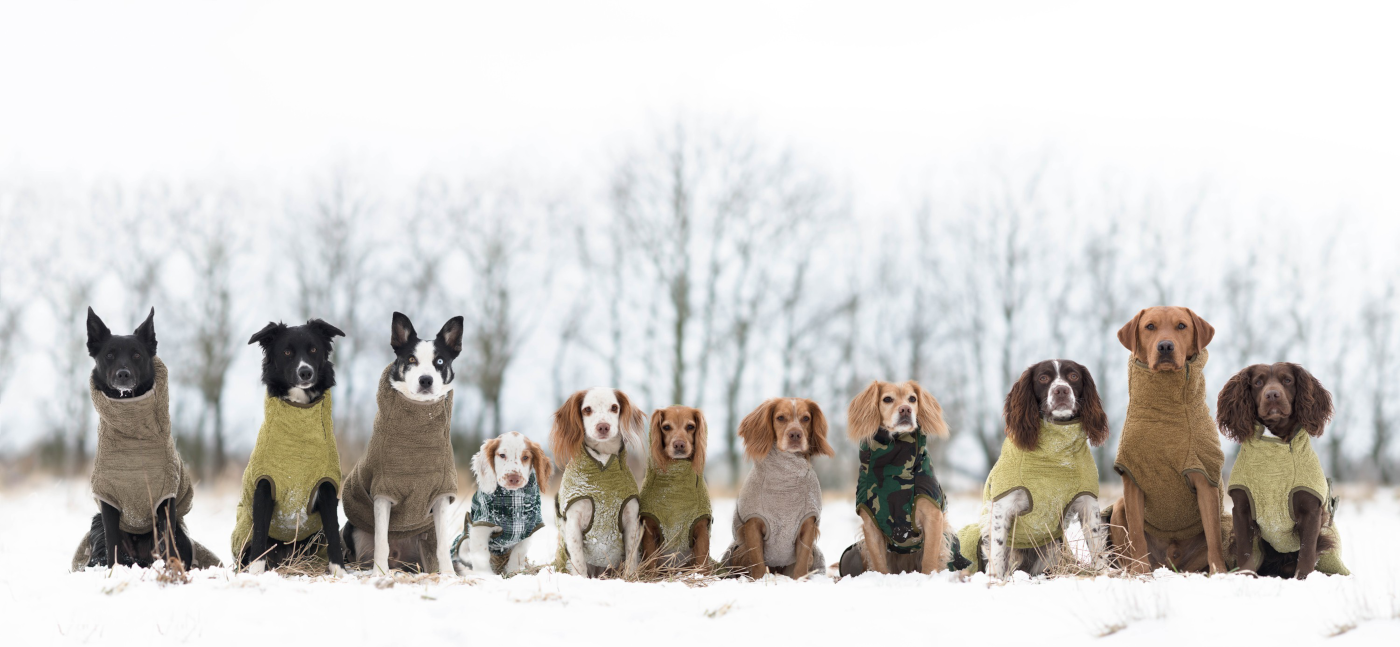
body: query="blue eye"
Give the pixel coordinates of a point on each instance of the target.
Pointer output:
(439, 362)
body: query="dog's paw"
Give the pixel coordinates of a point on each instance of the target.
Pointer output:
(258, 567)
(336, 570)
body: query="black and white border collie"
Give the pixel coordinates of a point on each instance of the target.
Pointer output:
(423, 369)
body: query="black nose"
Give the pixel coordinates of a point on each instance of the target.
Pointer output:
(305, 373)
(425, 381)
(123, 374)
(1272, 395)
(1166, 346)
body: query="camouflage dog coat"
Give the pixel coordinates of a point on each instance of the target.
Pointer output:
(896, 471)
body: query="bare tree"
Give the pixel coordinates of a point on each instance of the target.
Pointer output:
(1378, 332)
(11, 299)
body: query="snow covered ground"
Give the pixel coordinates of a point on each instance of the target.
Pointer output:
(42, 603)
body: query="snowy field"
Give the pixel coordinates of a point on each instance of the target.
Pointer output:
(41, 603)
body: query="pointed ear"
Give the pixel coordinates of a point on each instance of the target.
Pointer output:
(863, 416)
(484, 466)
(400, 331)
(544, 469)
(757, 431)
(1204, 333)
(1022, 413)
(1235, 408)
(632, 420)
(146, 332)
(1091, 414)
(566, 436)
(1313, 408)
(818, 445)
(930, 414)
(324, 329)
(98, 334)
(702, 434)
(657, 438)
(265, 335)
(1128, 334)
(451, 334)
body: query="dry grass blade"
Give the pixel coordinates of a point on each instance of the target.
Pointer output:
(659, 569)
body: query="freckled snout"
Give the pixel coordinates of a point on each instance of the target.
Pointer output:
(514, 480)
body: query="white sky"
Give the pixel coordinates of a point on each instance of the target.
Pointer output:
(1296, 103)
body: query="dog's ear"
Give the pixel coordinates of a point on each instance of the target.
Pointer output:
(657, 438)
(863, 416)
(484, 465)
(702, 435)
(1313, 407)
(146, 333)
(1204, 333)
(930, 414)
(818, 445)
(540, 463)
(566, 436)
(1128, 334)
(632, 420)
(98, 334)
(324, 329)
(1022, 413)
(757, 431)
(1235, 407)
(1091, 414)
(451, 335)
(400, 331)
(264, 336)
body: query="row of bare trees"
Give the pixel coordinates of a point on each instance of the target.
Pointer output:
(707, 267)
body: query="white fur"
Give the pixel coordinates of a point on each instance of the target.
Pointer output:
(382, 506)
(1060, 414)
(1001, 559)
(427, 365)
(442, 524)
(297, 395)
(509, 460)
(1086, 507)
(601, 407)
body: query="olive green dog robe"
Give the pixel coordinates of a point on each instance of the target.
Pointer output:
(137, 466)
(609, 487)
(675, 497)
(1269, 471)
(409, 461)
(1168, 434)
(296, 453)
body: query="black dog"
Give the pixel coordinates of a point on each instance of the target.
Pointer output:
(296, 368)
(125, 369)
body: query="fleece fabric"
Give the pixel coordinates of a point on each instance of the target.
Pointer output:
(676, 497)
(895, 472)
(1168, 434)
(409, 461)
(609, 487)
(296, 453)
(202, 558)
(137, 466)
(1053, 474)
(783, 491)
(1269, 471)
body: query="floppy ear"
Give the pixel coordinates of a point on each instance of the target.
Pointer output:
(267, 333)
(1128, 334)
(1204, 332)
(484, 466)
(540, 463)
(659, 457)
(702, 434)
(1314, 406)
(146, 332)
(1091, 415)
(1022, 413)
(400, 331)
(566, 436)
(451, 335)
(930, 414)
(632, 420)
(1235, 408)
(863, 416)
(98, 334)
(757, 431)
(324, 329)
(818, 446)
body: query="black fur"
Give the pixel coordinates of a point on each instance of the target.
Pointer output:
(137, 550)
(287, 348)
(125, 363)
(446, 347)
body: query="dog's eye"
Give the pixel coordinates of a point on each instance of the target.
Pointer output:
(501, 455)
(1259, 383)
(665, 427)
(287, 352)
(439, 361)
(806, 418)
(911, 399)
(412, 359)
(690, 426)
(111, 357)
(613, 408)
(1181, 326)
(1044, 379)
(1151, 326)
(588, 411)
(888, 399)
(136, 356)
(1073, 377)
(782, 418)
(1287, 380)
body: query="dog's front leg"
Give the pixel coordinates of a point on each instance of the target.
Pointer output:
(442, 524)
(1243, 523)
(933, 525)
(255, 556)
(576, 518)
(516, 561)
(477, 550)
(1134, 505)
(1307, 509)
(1208, 501)
(382, 507)
(874, 553)
(326, 504)
(700, 544)
(1086, 507)
(749, 557)
(807, 535)
(1004, 511)
(111, 528)
(631, 536)
(171, 540)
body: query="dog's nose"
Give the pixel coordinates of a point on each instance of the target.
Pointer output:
(1166, 346)
(123, 374)
(1272, 395)
(1060, 391)
(513, 480)
(906, 410)
(794, 436)
(425, 381)
(305, 373)
(603, 429)
(678, 446)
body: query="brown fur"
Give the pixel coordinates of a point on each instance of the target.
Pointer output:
(748, 554)
(544, 468)
(878, 558)
(869, 412)
(1023, 413)
(761, 428)
(1241, 403)
(1187, 332)
(687, 424)
(566, 437)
